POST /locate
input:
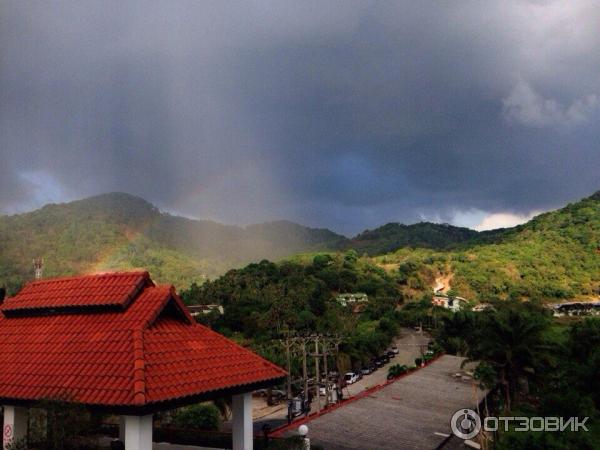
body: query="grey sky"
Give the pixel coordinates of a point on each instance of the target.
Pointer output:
(339, 114)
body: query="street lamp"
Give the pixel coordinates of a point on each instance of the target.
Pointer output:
(303, 431)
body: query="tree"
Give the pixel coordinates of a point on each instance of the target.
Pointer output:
(511, 340)
(486, 376)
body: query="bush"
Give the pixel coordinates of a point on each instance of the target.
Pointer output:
(396, 370)
(204, 416)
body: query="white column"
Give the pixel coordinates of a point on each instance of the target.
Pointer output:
(138, 432)
(242, 422)
(15, 424)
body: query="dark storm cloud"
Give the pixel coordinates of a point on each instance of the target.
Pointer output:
(336, 114)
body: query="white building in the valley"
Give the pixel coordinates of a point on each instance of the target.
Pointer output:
(576, 309)
(197, 310)
(451, 303)
(352, 298)
(482, 307)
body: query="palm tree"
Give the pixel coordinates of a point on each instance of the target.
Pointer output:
(511, 341)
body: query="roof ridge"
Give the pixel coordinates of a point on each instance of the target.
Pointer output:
(139, 367)
(70, 294)
(91, 275)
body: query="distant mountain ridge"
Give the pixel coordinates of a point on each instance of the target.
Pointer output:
(555, 256)
(393, 236)
(121, 231)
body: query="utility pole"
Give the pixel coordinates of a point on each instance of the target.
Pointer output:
(326, 373)
(337, 368)
(289, 367)
(38, 265)
(317, 370)
(304, 374)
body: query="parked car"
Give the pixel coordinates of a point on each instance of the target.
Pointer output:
(275, 393)
(395, 350)
(351, 377)
(378, 362)
(385, 358)
(366, 370)
(278, 394)
(390, 354)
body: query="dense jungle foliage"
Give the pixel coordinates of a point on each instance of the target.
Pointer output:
(264, 301)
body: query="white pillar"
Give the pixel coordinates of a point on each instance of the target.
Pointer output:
(15, 424)
(242, 422)
(138, 432)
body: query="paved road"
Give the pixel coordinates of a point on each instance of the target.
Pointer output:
(408, 344)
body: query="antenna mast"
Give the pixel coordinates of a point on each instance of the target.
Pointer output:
(38, 265)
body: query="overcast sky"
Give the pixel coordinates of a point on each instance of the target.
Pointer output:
(337, 114)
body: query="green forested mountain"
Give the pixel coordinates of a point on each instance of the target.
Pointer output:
(119, 231)
(393, 236)
(554, 256)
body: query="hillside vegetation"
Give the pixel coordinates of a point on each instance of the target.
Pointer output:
(264, 300)
(120, 231)
(555, 256)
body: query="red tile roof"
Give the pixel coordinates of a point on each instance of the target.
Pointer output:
(149, 350)
(115, 289)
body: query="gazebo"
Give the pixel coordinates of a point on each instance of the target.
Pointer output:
(120, 344)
